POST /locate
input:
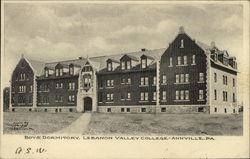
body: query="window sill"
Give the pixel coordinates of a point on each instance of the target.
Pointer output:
(170, 66)
(143, 85)
(193, 64)
(128, 99)
(153, 85)
(181, 100)
(183, 83)
(200, 100)
(110, 87)
(163, 84)
(100, 87)
(143, 101)
(122, 99)
(100, 102)
(109, 102)
(182, 65)
(163, 100)
(200, 82)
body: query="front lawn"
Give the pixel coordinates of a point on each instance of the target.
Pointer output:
(37, 122)
(165, 124)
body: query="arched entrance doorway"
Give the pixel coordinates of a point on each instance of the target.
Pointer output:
(87, 104)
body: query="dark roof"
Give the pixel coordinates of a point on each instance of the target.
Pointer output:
(113, 60)
(38, 66)
(149, 57)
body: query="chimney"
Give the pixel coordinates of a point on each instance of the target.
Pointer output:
(181, 30)
(212, 44)
(80, 58)
(144, 49)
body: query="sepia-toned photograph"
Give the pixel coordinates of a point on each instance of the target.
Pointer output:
(124, 69)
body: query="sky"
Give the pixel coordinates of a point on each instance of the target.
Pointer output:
(51, 32)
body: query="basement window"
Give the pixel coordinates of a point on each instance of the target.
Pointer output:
(60, 110)
(45, 110)
(201, 109)
(29, 110)
(70, 110)
(109, 110)
(163, 109)
(56, 110)
(225, 110)
(143, 109)
(13, 109)
(122, 109)
(128, 109)
(215, 109)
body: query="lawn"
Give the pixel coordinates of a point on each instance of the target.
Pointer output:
(165, 124)
(37, 122)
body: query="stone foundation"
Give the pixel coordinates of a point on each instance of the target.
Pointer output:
(44, 109)
(171, 109)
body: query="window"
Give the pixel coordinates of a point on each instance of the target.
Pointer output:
(61, 72)
(170, 61)
(129, 81)
(123, 81)
(215, 77)
(154, 80)
(143, 109)
(128, 95)
(31, 88)
(128, 109)
(224, 96)
(108, 109)
(57, 72)
(122, 109)
(109, 66)
(177, 95)
(22, 76)
(70, 110)
(72, 86)
(128, 65)
(186, 78)
(215, 94)
(215, 109)
(182, 78)
(233, 82)
(144, 81)
(177, 79)
(234, 99)
(164, 79)
(224, 80)
(233, 110)
(110, 83)
(143, 63)
(179, 60)
(110, 96)
(71, 98)
(123, 65)
(193, 60)
(200, 109)
(201, 77)
(45, 110)
(22, 89)
(163, 109)
(144, 96)
(186, 95)
(46, 87)
(185, 60)
(182, 94)
(71, 70)
(154, 96)
(164, 95)
(46, 73)
(225, 110)
(182, 44)
(201, 95)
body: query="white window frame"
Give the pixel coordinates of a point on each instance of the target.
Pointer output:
(179, 60)
(109, 66)
(170, 62)
(185, 60)
(201, 94)
(193, 60)
(154, 80)
(164, 95)
(186, 94)
(128, 65)
(154, 96)
(201, 77)
(186, 78)
(123, 65)
(164, 79)
(143, 63)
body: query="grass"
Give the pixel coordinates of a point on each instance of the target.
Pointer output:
(38, 122)
(165, 124)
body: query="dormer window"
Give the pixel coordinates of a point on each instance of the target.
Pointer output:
(143, 63)
(46, 73)
(109, 66)
(128, 65)
(182, 44)
(123, 65)
(59, 71)
(71, 70)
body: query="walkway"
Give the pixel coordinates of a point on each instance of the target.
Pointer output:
(78, 126)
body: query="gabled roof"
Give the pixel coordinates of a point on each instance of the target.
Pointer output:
(149, 57)
(113, 60)
(38, 66)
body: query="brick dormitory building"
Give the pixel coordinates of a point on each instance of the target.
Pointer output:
(186, 77)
